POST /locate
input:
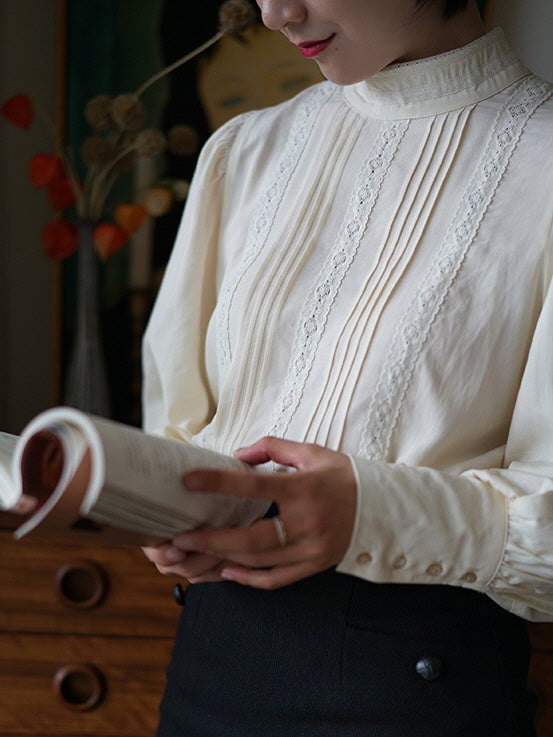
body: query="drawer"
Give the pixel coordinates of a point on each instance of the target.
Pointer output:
(71, 685)
(53, 588)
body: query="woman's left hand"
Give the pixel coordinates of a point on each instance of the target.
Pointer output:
(316, 506)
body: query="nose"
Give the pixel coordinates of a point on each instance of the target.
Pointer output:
(278, 13)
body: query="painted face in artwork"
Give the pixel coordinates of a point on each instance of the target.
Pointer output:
(261, 71)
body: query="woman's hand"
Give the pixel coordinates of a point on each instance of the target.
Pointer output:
(316, 506)
(196, 567)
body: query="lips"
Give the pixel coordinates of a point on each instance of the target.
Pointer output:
(313, 48)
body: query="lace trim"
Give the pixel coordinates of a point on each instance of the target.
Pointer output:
(410, 80)
(416, 323)
(265, 214)
(323, 293)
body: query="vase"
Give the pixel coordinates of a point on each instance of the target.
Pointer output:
(86, 386)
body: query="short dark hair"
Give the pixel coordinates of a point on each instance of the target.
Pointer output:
(450, 7)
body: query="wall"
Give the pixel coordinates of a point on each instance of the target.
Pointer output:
(27, 64)
(528, 24)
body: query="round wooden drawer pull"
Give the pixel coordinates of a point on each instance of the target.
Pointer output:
(81, 584)
(79, 686)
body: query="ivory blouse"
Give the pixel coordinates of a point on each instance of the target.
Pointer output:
(369, 268)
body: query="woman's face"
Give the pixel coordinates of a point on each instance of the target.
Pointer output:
(353, 39)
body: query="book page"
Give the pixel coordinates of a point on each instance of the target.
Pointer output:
(143, 486)
(8, 490)
(47, 461)
(11, 498)
(93, 478)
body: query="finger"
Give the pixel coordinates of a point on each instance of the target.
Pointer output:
(270, 579)
(284, 452)
(210, 576)
(165, 555)
(259, 537)
(198, 564)
(238, 483)
(194, 567)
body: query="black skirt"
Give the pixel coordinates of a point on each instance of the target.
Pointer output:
(335, 656)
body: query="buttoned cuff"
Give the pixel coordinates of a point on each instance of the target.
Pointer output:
(418, 525)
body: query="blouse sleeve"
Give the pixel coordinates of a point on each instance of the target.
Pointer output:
(176, 398)
(489, 530)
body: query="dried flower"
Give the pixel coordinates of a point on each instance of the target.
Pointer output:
(128, 111)
(150, 142)
(121, 120)
(158, 201)
(18, 109)
(97, 113)
(180, 188)
(125, 162)
(183, 140)
(97, 151)
(236, 15)
(60, 239)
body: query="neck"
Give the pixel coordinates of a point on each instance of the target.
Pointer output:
(438, 35)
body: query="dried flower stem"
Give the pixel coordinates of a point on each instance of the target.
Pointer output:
(48, 123)
(98, 192)
(96, 211)
(180, 62)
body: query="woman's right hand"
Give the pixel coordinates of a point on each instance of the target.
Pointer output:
(195, 567)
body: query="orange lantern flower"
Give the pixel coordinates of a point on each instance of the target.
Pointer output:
(130, 217)
(108, 239)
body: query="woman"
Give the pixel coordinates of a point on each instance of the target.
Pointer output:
(359, 293)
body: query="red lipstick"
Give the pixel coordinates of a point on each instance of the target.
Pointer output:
(313, 48)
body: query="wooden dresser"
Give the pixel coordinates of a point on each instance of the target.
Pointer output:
(85, 638)
(86, 635)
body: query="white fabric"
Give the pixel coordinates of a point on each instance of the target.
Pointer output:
(369, 268)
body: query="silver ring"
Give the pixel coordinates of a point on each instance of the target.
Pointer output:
(280, 528)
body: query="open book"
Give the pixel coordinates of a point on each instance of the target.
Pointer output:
(77, 476)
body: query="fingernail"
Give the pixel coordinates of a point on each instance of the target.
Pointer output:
(227, 575)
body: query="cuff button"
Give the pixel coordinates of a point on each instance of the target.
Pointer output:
(399, 562)
(435, 569)
(364, 559)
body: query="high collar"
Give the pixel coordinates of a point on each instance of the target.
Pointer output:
(439, 84)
